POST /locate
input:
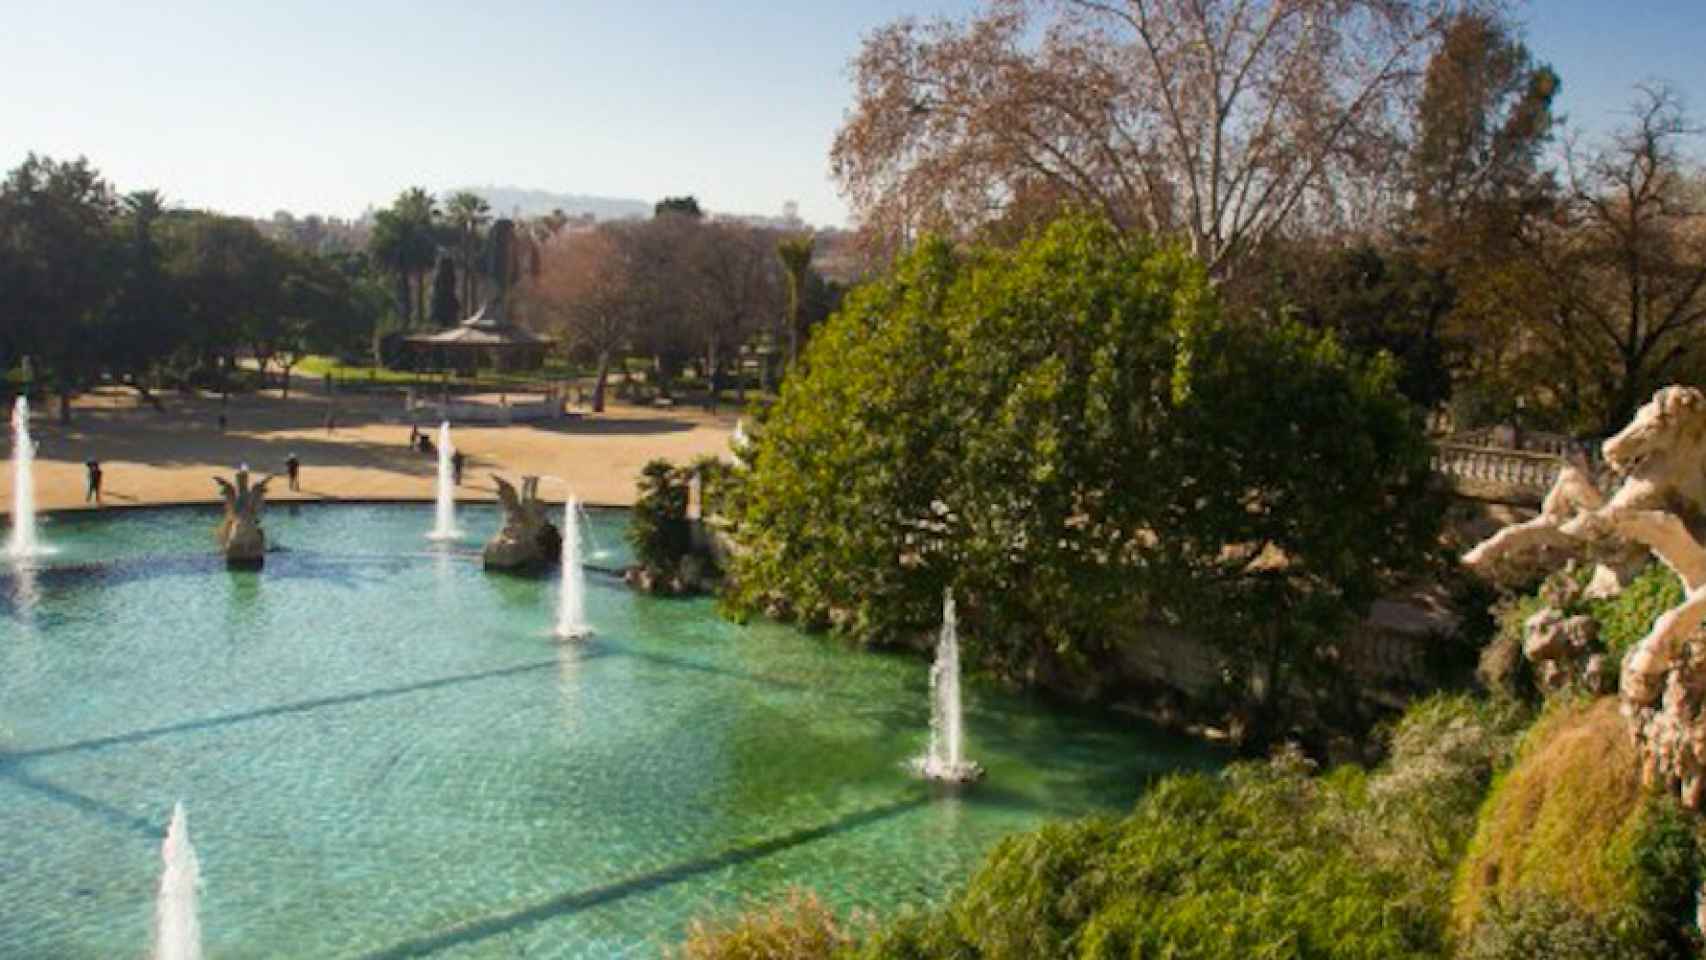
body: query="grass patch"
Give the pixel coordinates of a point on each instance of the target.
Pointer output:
(799, 928)
(1568, 824)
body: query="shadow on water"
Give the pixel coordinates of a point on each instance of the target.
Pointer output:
(344, 571)
(475, 931)
(300, 706)
(82, 803)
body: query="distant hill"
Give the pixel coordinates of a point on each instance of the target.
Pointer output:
(506, 201)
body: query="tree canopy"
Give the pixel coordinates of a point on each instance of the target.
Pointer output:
(1067, 435)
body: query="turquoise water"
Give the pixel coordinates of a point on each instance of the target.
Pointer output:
(384, 754)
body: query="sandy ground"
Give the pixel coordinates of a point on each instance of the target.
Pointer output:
(149, 457)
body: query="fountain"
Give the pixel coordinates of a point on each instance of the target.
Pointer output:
(177, 929)
(22, 544)
(571, 608)
(945, 762)
(445, 527)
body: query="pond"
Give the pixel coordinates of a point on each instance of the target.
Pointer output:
(384, 753)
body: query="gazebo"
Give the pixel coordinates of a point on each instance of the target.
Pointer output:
(486, 334)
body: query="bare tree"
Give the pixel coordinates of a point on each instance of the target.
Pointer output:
(584, 293)
(1220, 121)
(736, 281)
(1609, 294)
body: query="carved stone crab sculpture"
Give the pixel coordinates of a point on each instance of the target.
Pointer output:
(528, 539)
(241, 538)
(1659, 506)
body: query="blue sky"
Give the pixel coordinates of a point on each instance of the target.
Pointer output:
(319, 106)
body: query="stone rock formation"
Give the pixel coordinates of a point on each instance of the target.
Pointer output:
(528, 539)
(240, 536)
(1659, 506)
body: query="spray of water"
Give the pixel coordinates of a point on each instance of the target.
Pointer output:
(22, 544)
(177, 927)
(571, 606)
(444, 524)
(946, 757)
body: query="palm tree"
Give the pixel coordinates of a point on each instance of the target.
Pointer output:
(468, 213)
(405, 243)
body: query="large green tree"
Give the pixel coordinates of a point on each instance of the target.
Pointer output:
(62, 259)
(1067, 436)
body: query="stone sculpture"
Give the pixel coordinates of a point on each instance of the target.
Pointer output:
(528, 539)
(1659, 506)
(240, 536)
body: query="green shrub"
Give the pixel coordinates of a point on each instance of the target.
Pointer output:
(1443, 755)
(1260, 861)
(1626, 618)
(1539, 926)
(658, 528)
(1270, 860)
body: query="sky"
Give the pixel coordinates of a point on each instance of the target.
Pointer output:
(323, 107)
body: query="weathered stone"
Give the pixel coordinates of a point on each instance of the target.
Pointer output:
(1543, 638)
(240, 536)
(528, 540)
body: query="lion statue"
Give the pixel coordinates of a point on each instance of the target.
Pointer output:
(1658, 509)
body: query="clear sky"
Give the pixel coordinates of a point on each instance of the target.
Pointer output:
(316, 106)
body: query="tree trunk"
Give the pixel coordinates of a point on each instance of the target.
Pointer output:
(711, 372)
(286, 381)
(153, 401)
(599, 383)
(420, 299)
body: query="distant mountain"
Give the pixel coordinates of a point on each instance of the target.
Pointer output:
(507, 201)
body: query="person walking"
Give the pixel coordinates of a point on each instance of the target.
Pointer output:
(94, 492)
(293, 469)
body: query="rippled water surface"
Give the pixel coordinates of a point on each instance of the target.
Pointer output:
(384, 754)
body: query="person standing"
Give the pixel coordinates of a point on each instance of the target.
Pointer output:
(94, 492)
(292, 469)
(456, 468)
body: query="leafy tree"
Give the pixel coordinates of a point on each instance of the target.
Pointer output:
(229, 278)
(1374, 299)
(55, 231)
(1067, 436)
(143, 325)
(1483, 120)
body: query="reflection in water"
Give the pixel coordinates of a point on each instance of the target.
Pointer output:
(569, 681)
(26, 592)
